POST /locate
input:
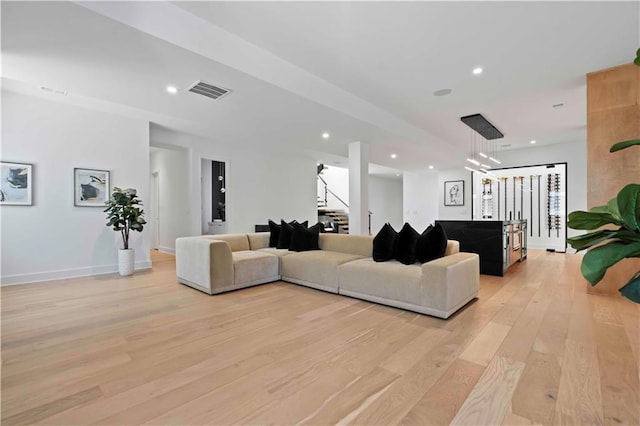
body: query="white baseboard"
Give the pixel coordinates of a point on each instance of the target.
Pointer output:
(67, 273)
(167, 250)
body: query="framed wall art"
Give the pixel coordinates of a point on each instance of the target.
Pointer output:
(16, 184)
(91, 187)
(454, 193)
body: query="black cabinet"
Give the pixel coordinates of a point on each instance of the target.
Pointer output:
(498, 243)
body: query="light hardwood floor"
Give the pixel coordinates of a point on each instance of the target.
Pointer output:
(533, 349)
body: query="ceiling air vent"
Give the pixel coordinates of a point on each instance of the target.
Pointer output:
(480, 124)
(209, 90)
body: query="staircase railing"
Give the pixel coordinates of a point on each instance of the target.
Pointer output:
(328, 191)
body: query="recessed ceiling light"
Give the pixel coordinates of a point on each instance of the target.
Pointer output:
(394, 156)
(172, 89)
(533, 141)
(442, 92)
(397, 174)
(325, 135)
(477, 71)
(430, 167)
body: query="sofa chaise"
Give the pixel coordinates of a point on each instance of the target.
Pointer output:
(343, 265)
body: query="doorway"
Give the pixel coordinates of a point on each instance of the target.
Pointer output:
(214, 199)
(155, 211)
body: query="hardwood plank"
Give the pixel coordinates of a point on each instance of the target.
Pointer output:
(490, 398)
(618, 376)
(485, 345)
(42, 412)
(579, 396)
(537, 391)
(441, 403)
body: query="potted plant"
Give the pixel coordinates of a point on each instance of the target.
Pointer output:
(609, 246)
(125, 215)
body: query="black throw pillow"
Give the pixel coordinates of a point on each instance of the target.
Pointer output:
(432, 244)
(274, 229)
(303, 238)
(406, 245)
(384, 244)
(286, 229)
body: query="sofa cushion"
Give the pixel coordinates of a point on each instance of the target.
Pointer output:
(258, 240)
(362, 245)
(432, 244)
(406, 245)
(384, 243)
(389, 280)
(316, 268)
(303, 238)
(273, 250)
(237, 242)
(254, 266)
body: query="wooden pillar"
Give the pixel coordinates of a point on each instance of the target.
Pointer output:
(613, 115)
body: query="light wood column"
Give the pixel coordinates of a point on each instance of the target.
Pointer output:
(613, 115)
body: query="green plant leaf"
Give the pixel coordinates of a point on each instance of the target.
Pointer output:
(629, 205)
(597, 260)
(599, 209)
(627, 236)
(624, 144)
(590, 220)
(631, 290)
(585, 241)
(614, 210)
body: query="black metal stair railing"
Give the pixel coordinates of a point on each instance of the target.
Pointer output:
(328, 191)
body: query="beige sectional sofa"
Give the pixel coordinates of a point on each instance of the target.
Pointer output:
(343, 265)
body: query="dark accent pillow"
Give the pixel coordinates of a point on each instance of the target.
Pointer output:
(384, 244)
(303, 238)
(286, 229)
(284, 239)
(274, 229)
(406, 245)
(432, 244)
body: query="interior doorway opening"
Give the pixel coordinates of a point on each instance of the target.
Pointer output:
(214, 197)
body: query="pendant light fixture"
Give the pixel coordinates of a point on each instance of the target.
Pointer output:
(483, 148)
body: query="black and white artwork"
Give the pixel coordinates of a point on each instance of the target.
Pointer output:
(16, 184)
(91, 187)
(454, 193)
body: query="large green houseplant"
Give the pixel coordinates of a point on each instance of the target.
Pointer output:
(609, 246)
(125, 215)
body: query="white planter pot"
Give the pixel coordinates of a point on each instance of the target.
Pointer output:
(126, 262)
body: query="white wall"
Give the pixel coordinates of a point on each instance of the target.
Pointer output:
(173, 198)
(54, 239)
(385, 202)
(260, 185)
(419, 192)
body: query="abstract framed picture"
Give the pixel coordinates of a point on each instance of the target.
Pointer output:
(16, 184)
(454, 193)
(91, 187)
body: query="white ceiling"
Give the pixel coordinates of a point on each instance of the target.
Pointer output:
(361, 71)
